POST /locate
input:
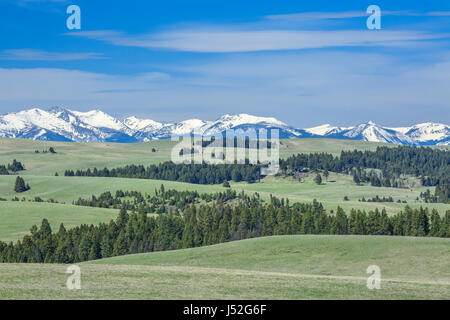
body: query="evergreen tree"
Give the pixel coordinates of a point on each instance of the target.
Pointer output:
(326, 174)
(236, 175)
(105, 247)
(435, 224)
(20, 185)
(356, 178)
(445, 226)
(212, 221)
(339, 224)
(318, 179)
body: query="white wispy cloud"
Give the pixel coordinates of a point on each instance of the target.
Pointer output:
(40, 55)
(39, 2)
(439, 13)
(317, 15)
(300, 88)
(320, 15)
(54, 6)
(257, 40)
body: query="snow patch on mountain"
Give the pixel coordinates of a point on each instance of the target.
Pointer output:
(61, 124)
(97, 118)
(425, 132)
(326, 129)
(142, 124)
(195, 126)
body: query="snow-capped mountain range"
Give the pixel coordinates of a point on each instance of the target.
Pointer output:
(59, 124)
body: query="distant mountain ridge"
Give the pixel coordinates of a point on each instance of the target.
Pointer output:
(59, 124)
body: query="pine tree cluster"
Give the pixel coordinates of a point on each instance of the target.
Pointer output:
(20, 185)
(191, 173)
(384, 167)
(15, 166)
(206, 224)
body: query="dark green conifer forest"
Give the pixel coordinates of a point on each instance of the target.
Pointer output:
(203, 219)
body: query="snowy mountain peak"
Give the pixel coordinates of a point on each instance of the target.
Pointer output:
(195, 126)
(322, 130)
(140, 124)
(98, 118)
(61, 124)
(427, 133)
(56, 109)
(247, 118)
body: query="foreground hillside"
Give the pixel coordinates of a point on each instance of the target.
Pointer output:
(283, 267)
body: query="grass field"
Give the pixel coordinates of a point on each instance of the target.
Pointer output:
(283, 267)
(17, 217)
(287, 267)
(80, 155)
(332, 192)
(71, 155)
(41, 168)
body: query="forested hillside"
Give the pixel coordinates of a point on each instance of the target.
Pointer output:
(386, 166)
(209, 223)
(191, 173)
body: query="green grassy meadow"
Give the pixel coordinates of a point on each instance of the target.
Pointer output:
(281, 267)
(80, 155)
(41, 168)
(332, 192)
(72, 155)
(17, 217)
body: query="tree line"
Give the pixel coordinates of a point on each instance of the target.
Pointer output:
(208, 224)
(377, 199)
(431, 165)
(191, 173)
(384, 167)
(163, 201)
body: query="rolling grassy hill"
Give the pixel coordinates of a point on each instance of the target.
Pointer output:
(17, 217)
(282, 267)
(80, 155)
(287, 267)
(331, 193)
(73, 155)
(41, 168)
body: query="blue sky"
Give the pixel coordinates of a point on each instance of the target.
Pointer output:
(303, 62)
